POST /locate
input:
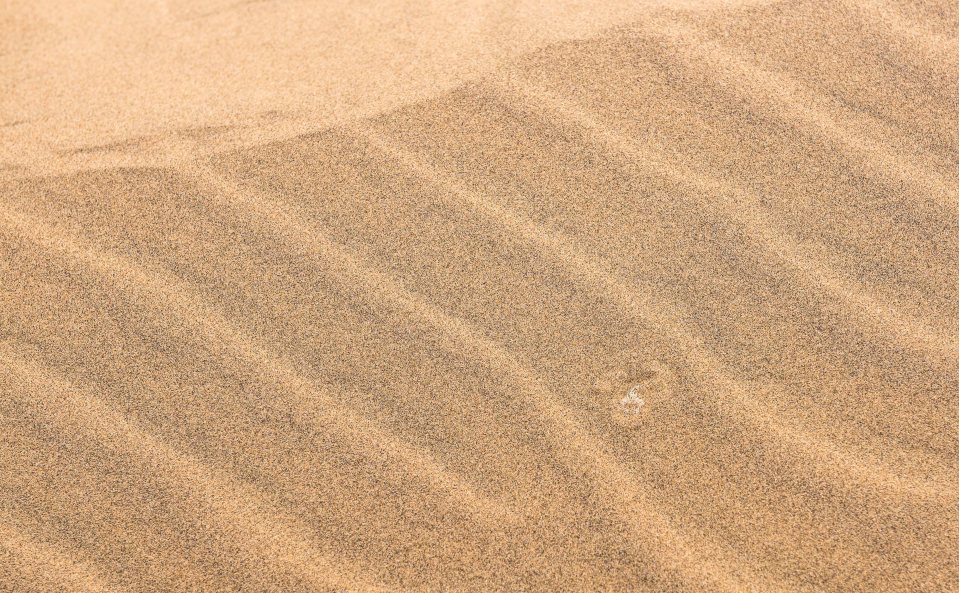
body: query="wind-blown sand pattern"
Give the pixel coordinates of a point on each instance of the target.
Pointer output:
(640, 297)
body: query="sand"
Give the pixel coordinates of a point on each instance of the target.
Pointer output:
(479, 296)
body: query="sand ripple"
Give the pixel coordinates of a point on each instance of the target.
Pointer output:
(668, 308)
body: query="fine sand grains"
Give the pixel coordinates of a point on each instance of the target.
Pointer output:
(654, 298)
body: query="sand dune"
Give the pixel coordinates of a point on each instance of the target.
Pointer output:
(646, 298)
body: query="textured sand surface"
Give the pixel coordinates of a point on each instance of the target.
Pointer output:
(480, 296)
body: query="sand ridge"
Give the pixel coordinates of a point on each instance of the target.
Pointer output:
(389, 350)
(102, 83)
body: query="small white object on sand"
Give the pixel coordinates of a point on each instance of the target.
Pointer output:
(632, 402)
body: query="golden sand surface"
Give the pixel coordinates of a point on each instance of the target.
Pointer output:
(479, 296)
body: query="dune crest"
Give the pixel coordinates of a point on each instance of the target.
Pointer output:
(640, 298)
(102, 83)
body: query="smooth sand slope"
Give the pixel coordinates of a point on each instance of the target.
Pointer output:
(391, 353)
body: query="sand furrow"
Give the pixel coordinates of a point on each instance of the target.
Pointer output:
(881, 317)
(789, 100)
(934, 48)
(580, 448)
(232, 507)
(39, 562)
(653, 296)
(599, 275)
(309, 401)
